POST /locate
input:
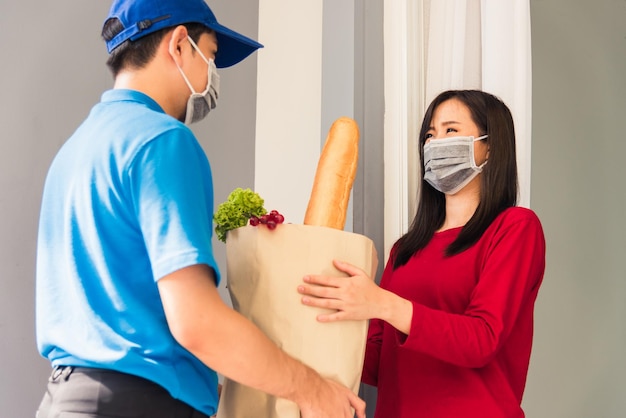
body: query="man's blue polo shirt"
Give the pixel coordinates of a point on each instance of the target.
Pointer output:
(127, 200)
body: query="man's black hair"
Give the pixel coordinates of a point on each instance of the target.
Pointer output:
(136, 54)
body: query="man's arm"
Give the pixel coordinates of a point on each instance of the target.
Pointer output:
(198, 317)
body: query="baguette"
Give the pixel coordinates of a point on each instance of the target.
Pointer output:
(334, 177)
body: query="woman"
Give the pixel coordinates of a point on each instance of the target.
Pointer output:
(452, 321)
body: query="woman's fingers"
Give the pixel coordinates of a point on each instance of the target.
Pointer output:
(319, 280)
(331, 317)
(318, 297)
(349, 297)
(320, 301)
(348, 268)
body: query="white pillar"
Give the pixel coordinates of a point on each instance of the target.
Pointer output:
(289, 96)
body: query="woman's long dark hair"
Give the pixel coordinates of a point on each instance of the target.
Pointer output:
(499, 187)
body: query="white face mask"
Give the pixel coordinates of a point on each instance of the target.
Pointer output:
(449, 163)
(200, 104)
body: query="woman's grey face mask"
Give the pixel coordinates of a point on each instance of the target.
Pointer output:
(449, 163)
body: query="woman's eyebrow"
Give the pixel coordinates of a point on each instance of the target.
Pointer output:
(448, 123)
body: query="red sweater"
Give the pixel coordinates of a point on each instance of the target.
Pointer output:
(468, 349)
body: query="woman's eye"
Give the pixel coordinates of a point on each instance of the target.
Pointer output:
(450, 130)
(427, 136)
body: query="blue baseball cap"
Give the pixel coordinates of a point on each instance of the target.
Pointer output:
(142, 17)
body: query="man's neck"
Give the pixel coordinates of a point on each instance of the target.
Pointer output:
(148, 83)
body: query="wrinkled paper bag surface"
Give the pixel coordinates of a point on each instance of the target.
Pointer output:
(264, 269)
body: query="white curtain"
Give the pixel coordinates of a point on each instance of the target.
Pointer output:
(436, 45)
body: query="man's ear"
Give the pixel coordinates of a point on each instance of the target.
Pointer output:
(177, 43)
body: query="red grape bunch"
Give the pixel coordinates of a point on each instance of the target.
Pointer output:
(269, 219)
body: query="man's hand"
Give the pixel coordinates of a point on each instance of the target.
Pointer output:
(330, 399)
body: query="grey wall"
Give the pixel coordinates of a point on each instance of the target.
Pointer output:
(578, 367)
(53, 71)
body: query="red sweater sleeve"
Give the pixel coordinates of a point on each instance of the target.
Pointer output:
(512, 269)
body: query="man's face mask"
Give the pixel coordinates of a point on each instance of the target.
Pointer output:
(449, 163)
(200, 104)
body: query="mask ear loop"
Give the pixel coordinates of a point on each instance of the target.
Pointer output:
(186, 79)
(195, 46)
(209, 70)
(479, 168)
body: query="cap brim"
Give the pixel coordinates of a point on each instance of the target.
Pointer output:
(232, 47)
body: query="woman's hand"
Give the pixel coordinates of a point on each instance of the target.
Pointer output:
(356, 297)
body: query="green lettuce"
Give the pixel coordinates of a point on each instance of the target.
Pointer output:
(240, 206)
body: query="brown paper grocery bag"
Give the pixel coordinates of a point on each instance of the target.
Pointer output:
(264, 269)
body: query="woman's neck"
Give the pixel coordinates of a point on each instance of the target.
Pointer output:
(460, 207)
